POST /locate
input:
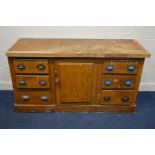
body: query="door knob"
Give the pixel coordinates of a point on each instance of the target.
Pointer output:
(57, 80)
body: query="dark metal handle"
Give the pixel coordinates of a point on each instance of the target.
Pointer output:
(42, 82)
(21, 66)
(107, 98)
(22, 82)
(57, 80)
(110, 67)
(25, 97)
(125, 99)
(131, 68)
(44, 98)
(108, 82)
(41, 67)
(128, 83)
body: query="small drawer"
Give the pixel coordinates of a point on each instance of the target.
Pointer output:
(120, 67)
(31, 66)
(117, 97)
(32, 81)
(33, 97)
(118, 81)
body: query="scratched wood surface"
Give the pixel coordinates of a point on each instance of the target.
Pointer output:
(101, 48)
(76, 81)
(73, 74)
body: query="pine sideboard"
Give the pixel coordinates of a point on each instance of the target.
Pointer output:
(76, 74)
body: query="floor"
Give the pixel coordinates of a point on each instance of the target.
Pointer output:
(143, 118)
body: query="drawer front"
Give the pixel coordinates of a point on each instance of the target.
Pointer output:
(110, 97)
(33, 97)
(126, 67)
(32, 81)
(31, 66)
(118, 81)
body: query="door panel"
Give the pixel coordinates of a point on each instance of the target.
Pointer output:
(76, 82)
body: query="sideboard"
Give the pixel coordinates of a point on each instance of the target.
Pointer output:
(76, 74)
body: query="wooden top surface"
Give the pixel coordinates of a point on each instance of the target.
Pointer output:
(90, 48)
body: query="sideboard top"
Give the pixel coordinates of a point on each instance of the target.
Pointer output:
(97, 48)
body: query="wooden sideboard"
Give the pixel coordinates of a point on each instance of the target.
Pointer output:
(76, 74)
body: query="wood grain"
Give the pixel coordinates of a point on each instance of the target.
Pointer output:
(31, 66)
(117, 96)
(93, 48)
(34, 97)
(140, 69)
(75, 71)
(52, 81)
(75, 108)
(76, 81)
(118, 81)
(32, 81)
(120, 66)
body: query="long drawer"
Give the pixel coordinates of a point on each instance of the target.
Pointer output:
(118, 81)
(120, 67)
(31, 66)
(32, 81)
(118, 97)
(29, 97)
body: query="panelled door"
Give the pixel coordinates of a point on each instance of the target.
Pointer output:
(75, 81)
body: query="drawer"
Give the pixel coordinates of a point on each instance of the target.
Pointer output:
(118, 81)
(32, 81)
(33, 97)
(31, 66)
(120, 67)
(117, 97)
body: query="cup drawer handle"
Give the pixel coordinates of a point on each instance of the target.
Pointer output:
(128, 83)
(25, 97)
(110, 67)
(42, 82)
(44, 98)
(108, 82)
(22, 82)
(125, 99)
(21, 66)
(107, 98)
(131, 67)
(41, 67)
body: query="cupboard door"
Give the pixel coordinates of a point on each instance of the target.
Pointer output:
(75, 82)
